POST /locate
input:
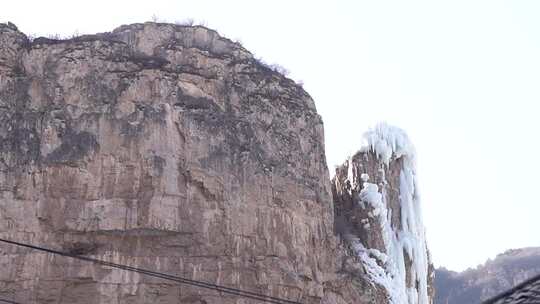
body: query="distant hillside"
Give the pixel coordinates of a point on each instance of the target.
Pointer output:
(495, 276)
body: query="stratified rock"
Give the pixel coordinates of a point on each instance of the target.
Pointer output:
(163, 147)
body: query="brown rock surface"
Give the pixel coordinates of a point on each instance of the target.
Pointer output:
(169, 148)
(164, 147)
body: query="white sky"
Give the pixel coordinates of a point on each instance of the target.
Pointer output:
(462, 77)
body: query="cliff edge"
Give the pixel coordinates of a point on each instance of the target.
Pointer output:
(169, 148)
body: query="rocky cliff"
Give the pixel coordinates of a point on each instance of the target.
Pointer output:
(378, 213)
(171, 148)
(486, 281)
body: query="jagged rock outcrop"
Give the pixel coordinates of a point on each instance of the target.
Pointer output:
(170, 148)
(378, 214)
(488, 280)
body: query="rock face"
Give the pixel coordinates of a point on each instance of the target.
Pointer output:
(164, 147)
(168, 148)
(378, 213)
(486, 281)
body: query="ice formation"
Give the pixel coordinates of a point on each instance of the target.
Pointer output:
(388, 269)
(387, 141)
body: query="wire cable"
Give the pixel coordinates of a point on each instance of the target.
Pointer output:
(224, 289)
(8, 301)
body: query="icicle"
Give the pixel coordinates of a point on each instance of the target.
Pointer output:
(388, 270)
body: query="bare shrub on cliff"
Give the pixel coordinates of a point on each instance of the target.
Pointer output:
(280, 69)
(274, 67)
(55, 36)
(185, 22)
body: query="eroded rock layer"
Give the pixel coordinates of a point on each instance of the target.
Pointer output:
(164, 147)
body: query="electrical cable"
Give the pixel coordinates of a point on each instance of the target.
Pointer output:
(8, 301)
(224, 289)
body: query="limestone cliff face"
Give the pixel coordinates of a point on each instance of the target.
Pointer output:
(168, 148)
(164, 147)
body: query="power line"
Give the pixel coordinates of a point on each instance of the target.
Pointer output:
(201, 284)
(224, 289)
(8, 301)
